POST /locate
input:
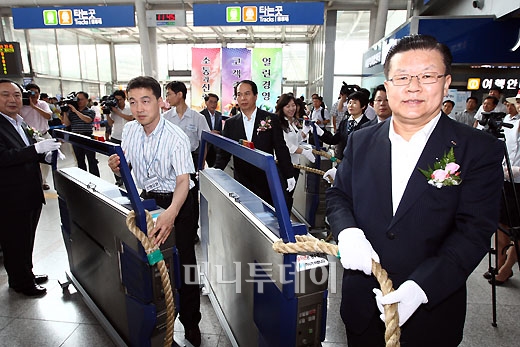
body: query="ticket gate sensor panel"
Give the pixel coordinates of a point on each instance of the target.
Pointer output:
(108, 265)
(261, 297)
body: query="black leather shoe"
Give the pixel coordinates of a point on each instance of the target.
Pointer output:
(498, 282)
(40, 279)
(36, 290)
(487, 275)
(193, 336)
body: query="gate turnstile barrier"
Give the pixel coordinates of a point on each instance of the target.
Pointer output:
(108, 265)
(261, 297)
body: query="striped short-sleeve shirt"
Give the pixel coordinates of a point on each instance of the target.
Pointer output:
(164, 154)
(77, 124)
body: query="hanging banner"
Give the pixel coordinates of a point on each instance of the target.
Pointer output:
(267, 74)
(236, 66)
(205, 75)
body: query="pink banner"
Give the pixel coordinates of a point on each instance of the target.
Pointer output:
(205, 75)
(236, 66)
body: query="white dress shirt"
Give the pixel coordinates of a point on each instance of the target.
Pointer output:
(405, 155)
(249, 125)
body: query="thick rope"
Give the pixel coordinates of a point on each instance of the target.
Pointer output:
(149, 247)
(327, 155)
(309, 244)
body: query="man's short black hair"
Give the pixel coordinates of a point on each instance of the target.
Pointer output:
(177, 86)
(85, 94)
(120, 93)
(472, 98)
(254, 88)
(210, 95)
(146, 82)
(494, 99)
(420, 42)
(5, 80)
(32, 86)
(379, 88)
(449, 101)
(497, 88)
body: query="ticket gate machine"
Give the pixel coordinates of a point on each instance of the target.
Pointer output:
(261, 298)
(108, 265)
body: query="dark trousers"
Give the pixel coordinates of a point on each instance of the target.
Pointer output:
(80, 154)
(189, 313)
(195, 192)
(17, 241)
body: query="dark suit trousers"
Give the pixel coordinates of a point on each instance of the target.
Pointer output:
(17, 240)
(189, 313)
(80, 154)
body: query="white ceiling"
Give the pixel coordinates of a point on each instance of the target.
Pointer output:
(349, 24)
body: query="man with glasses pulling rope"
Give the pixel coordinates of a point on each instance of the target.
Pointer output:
(434, 222)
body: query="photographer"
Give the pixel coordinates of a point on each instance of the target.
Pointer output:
(37, 113)
(120, 114)
(79, 117)
(505, 262)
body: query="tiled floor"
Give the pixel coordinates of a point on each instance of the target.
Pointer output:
(59, 319)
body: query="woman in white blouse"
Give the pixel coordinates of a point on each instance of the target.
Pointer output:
(285, 110)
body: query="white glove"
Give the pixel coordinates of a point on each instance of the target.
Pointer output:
(291, 183)
(330, 175)
(48, 156)
(307, 153)
(409, 296)
(46, 146)
(355, 251)
(319, 131)
(306, 129)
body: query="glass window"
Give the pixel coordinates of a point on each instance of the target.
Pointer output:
(103, 62)
(88, 58)
(69, 55)
(128, 61)
(44, 56)
(295, 57)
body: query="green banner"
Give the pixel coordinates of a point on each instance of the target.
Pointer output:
(266, 72)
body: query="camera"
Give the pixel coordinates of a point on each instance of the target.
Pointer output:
(107, 102)
(348, 89)
(26, 97)
(494, 122)
(70, 99)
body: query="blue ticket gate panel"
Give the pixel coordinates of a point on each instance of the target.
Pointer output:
(107, 263)
(261, 297)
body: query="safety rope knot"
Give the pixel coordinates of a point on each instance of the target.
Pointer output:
(155, 257)
(309, 244)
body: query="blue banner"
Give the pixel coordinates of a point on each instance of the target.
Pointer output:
(286, 13)
(73, 17)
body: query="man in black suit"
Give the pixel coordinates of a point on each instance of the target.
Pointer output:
(429, 233)
(214, 119)
(21, 184)
(264, 130)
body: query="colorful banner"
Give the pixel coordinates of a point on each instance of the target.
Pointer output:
(267, 74)
(205, 75)
(236, 66)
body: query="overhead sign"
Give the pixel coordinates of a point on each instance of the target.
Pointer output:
(287, 13)
(156, 18)
(73, 17)
(10, 59)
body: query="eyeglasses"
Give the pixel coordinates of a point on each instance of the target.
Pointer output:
(422, 78)
(380, 101)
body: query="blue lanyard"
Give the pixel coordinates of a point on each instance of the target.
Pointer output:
(148, 166)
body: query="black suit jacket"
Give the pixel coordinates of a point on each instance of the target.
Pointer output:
(437, 236)
(20, 176)
(211, 153)
(340, 137)
(269, 141)
(218, 119)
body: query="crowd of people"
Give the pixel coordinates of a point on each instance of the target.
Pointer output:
(435, 224)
